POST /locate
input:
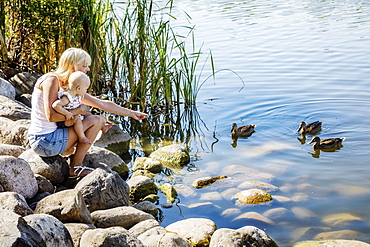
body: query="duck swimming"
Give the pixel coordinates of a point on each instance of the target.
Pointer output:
(310, 128)
(241, 131)
(326, 143)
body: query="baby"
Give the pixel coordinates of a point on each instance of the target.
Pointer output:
(78, 84)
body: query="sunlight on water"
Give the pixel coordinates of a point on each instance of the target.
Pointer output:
(299, 60)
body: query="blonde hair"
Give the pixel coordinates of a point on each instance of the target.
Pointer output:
(69, 59)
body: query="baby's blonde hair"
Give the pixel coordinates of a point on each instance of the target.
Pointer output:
(71, 57)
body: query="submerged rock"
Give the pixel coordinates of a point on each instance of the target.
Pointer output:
(206, 181)
(253, 196)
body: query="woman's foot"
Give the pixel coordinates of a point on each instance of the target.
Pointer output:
(84, 140)
(80, 171)
(106, 127)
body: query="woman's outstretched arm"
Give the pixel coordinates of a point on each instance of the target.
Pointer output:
(112, 107)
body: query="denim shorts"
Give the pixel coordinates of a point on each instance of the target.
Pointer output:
(51, 144)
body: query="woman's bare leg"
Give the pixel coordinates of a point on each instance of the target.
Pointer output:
(92, 125)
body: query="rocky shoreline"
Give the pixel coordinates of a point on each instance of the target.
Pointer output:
(41, 206)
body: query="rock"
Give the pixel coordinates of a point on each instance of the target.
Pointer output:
(197, 231)
(303, 213)
(169, 192)
(279, 214)
(76, 230)
(15, 203)
(34, 200)
(115, 140)
(112, 236)
(147, 207)
(230, 212)
(125, 216)
(16, 175)
(11, 150)
(55, 169)
(44, 184)
(206, 181)
(205, 207)
(330, 243)
(245, 236)
(66, 205)
(103, 189)
(159, 237)
(143, 173)
(140, 187)
(24, 82)
(147, 163)
(253, 218)
(230, 194)
(211, 196)
(173, 156)
(52, 231)
(257, 185)
(304, 233)
(13, 109)
(16, 232)
(112, 160)
(343, 234)
(143, 226)
(185, 190)
(253, 196)
(14, 132)
(25, 99)
(7, 89)
(343, 220)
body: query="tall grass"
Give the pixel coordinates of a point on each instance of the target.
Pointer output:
(138, 58)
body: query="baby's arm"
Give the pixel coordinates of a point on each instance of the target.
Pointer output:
(58, 106)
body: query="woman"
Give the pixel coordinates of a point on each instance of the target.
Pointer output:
(48, 140)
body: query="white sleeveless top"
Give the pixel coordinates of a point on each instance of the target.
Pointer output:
(40, 125)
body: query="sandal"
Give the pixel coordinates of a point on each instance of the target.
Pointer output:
(82, 169)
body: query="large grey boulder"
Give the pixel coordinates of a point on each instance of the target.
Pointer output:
(66, 205)
(52, 231)
(115, 140)
(160, 237)
(13, 109)
(16, 175)
(11, 150)
(76, 230)
(125, 216)
(15, 203)
(14, 132)
(143, 226)
(113, 161)
(245, 236)
(103, 189)
(14, 231)
(140, 187)
(197, 230)
(24, 82)
(174, 156)
(112, 236)
(55, 168)
(7, 89)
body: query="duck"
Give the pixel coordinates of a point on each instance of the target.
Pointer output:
(326, 143)
(245, 130)
(310, 128)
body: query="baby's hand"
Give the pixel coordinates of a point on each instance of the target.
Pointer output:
(69, 116)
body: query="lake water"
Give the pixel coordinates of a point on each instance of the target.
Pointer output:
(300, 60)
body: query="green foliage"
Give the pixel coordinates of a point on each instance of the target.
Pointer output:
(138, 59)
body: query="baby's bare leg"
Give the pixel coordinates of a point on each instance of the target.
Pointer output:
(78, 127)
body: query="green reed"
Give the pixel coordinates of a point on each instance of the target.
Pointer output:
(138, 58)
